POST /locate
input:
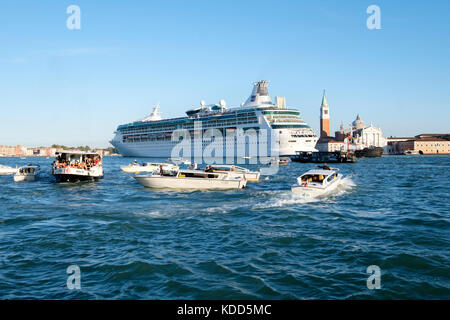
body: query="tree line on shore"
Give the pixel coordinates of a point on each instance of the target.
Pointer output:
(83, 148)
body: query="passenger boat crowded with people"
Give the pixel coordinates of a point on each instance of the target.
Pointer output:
(317, 182)
(27, 173)
(77, 166)
(192, 180)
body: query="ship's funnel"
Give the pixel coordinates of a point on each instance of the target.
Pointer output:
(154, 116)
(259, 96)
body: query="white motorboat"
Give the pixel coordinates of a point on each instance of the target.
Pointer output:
(250, 176)
(77, 166)
(27, 173)
(193, 180)
(6, 170)
(149, 167)
(282, 161)
(179, 161)
(317, 182)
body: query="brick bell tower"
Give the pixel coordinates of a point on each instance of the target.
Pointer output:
(324, 117)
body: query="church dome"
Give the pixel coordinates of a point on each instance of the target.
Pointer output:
(358, 123)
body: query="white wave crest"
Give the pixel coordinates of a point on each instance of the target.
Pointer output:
(286, 198)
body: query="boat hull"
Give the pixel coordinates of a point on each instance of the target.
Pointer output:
(74, 178)
(252, 177)
(162, 182)
(28, 178)
(6, 172)
(372, 152)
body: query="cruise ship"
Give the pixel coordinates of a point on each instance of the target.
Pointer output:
(258, 128)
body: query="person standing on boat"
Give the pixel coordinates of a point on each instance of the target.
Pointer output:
(325, 167)
(193, 166)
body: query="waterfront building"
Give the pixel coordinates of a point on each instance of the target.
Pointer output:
(13, 151)
(393, 146)
(420, 144)
(362, 136)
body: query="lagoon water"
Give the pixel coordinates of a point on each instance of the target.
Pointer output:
(260, 242)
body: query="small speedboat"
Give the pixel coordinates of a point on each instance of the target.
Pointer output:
(251, 176)
(27, 173)
(317, 182)
(6, 170)
(192, 180)
(280, 161)
(149, 167)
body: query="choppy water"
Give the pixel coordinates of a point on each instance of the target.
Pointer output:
(261, 242)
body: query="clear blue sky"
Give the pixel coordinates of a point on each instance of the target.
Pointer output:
(74, 87)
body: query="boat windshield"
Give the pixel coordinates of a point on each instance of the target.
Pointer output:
(191, 174)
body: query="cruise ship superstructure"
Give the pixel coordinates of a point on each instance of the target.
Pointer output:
(286, 132)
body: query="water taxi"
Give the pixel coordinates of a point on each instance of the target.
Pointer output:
(250, 176)
(192, 180)
(149, 167)
(281, 161)
(6, 170)
(77, 166)
(27, 173)
(317, 182)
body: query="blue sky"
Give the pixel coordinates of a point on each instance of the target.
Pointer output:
(74, 87)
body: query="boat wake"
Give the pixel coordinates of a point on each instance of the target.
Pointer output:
(345, 185)
(287, 198)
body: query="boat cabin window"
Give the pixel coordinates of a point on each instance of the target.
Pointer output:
(331, 177)
(27, 170)
(317, 178)
(196, 175)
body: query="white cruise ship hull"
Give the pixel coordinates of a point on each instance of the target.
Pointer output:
(163, 149)
(258, 129)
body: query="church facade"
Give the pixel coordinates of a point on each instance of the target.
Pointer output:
(361, 135)
(357, 136)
